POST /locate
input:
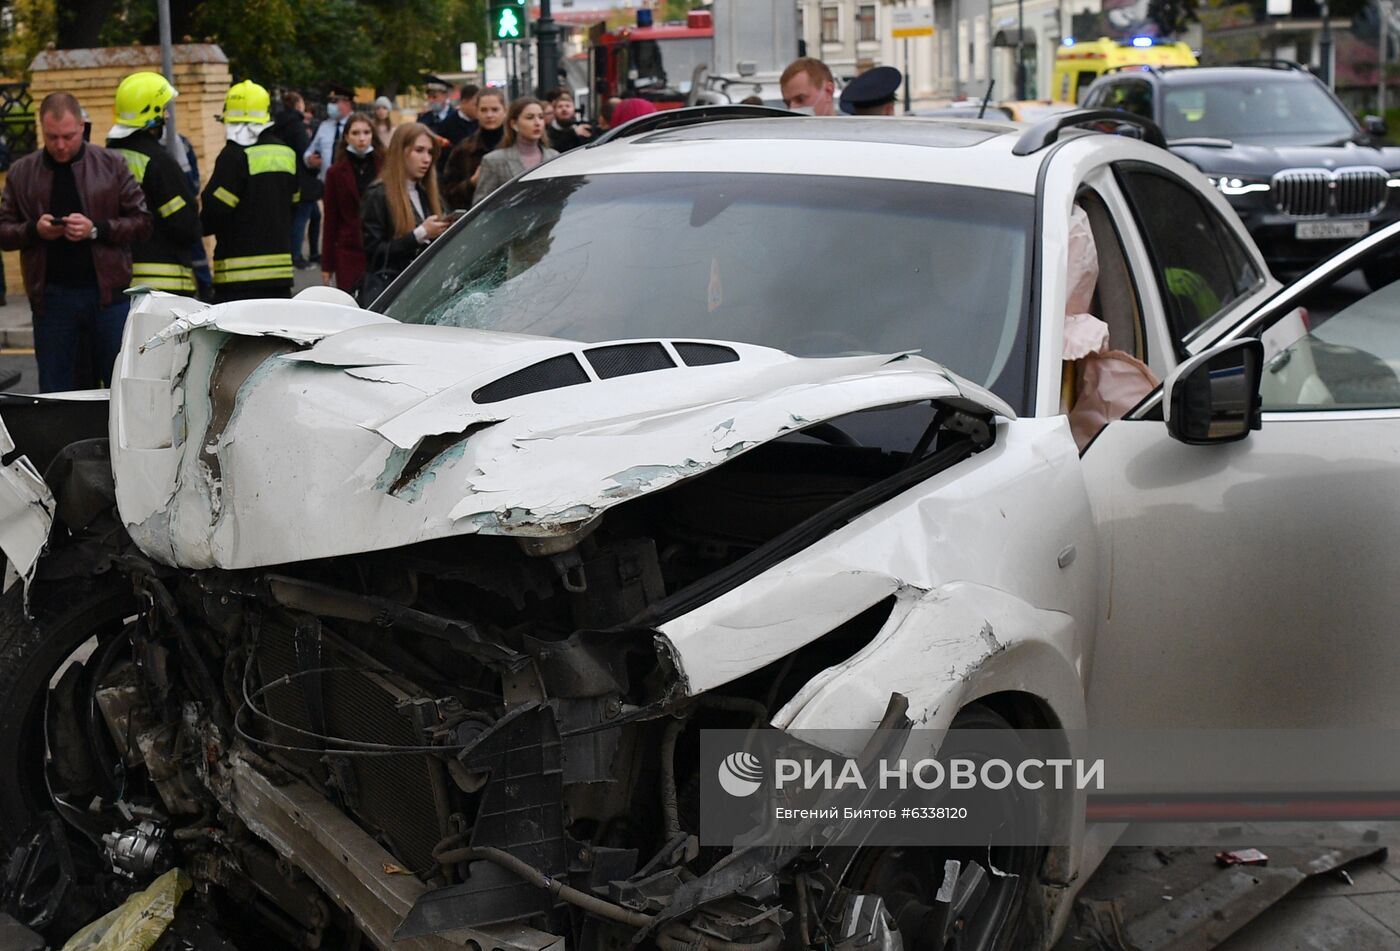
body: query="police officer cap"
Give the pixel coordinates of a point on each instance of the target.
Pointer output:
(340, 92)
(433, 84)
(874, 87)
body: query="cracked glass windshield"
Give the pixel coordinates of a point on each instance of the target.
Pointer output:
(810, 265)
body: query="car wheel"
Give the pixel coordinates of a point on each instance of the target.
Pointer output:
(1002, 916)
(49, 667)
(1380, 273)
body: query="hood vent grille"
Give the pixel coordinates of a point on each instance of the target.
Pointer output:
(706, 354)
(624, 359)
(548, 374)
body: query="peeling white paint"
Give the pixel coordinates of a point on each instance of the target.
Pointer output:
(302, 321)
(318, 437)
(26, 511)
(943, 532)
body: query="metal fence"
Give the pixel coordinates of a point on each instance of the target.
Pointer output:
(17, 119)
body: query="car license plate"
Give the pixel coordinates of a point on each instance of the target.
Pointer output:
(1325, 230)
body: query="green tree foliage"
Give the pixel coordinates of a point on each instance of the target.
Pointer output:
(1171, 17)
(303, 44)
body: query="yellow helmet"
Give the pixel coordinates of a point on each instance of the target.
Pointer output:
(247, 102)
(141, 99)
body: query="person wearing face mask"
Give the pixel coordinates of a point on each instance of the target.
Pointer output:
(401, 212)
(321, 152)
(357, 164)
(808, 87)
(565, 131)
(522, 149)
(459, 172)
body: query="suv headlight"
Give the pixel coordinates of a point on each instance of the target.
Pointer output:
(1232, 186)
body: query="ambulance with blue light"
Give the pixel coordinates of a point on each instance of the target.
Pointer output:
(1078, 64)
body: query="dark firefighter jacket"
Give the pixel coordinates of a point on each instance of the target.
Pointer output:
(248, 205)
(163, 260)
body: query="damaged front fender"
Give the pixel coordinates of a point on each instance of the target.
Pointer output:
(26, 510)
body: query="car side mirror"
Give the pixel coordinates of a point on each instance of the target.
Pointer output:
(1214, 396)
(1375, 127)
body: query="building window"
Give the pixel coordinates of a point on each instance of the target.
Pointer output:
(865, 23)
(831, 25)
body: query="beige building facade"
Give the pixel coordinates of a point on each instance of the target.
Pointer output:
(975, 41)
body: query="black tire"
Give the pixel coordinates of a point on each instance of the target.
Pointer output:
(1380, 273)
(1011, 916)
(66, 615)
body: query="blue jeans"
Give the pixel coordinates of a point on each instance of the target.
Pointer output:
(306, 213)
(76, 339)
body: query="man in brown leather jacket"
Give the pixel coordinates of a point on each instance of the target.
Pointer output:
(73, 211)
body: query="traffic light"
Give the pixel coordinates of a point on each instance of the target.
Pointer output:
(509, 20)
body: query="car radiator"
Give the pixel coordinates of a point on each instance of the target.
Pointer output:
(401, 800)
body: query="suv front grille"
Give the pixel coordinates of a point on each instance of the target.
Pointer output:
(1356, 192)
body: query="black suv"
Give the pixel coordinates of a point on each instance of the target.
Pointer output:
(1294, 164)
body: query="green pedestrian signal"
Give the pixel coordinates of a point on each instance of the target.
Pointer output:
(508, 20)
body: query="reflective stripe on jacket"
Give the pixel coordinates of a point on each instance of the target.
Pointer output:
(247, 206)
(163, 261)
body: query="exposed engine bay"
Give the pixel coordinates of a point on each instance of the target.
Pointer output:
(476, 740)
(494, 717)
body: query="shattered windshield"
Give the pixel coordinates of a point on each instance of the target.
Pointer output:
(810, 265)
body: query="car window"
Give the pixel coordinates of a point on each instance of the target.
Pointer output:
(812, 265)
(1134, 97)
(1085, 80)
(1199, 265)
(1348, 360)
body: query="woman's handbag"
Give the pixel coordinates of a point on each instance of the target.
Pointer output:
(375, 279)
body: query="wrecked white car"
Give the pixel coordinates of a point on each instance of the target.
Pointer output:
(398, 627)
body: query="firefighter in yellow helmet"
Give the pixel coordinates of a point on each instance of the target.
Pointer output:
(162, 261)
(248, 202)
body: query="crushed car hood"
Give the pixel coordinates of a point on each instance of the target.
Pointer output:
(264, 432)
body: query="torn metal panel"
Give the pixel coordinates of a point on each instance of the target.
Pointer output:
(947, 529)
(303, 321)
(310, 460)
(26, 510)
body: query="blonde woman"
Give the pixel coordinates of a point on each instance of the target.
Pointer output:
(402, 212)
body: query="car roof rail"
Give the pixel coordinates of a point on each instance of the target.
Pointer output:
(694, 115)
(1047, 131)
(1266, 63)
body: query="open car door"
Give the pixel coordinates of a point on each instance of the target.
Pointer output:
(1256, 583)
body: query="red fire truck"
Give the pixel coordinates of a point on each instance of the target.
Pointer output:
(651, 62)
